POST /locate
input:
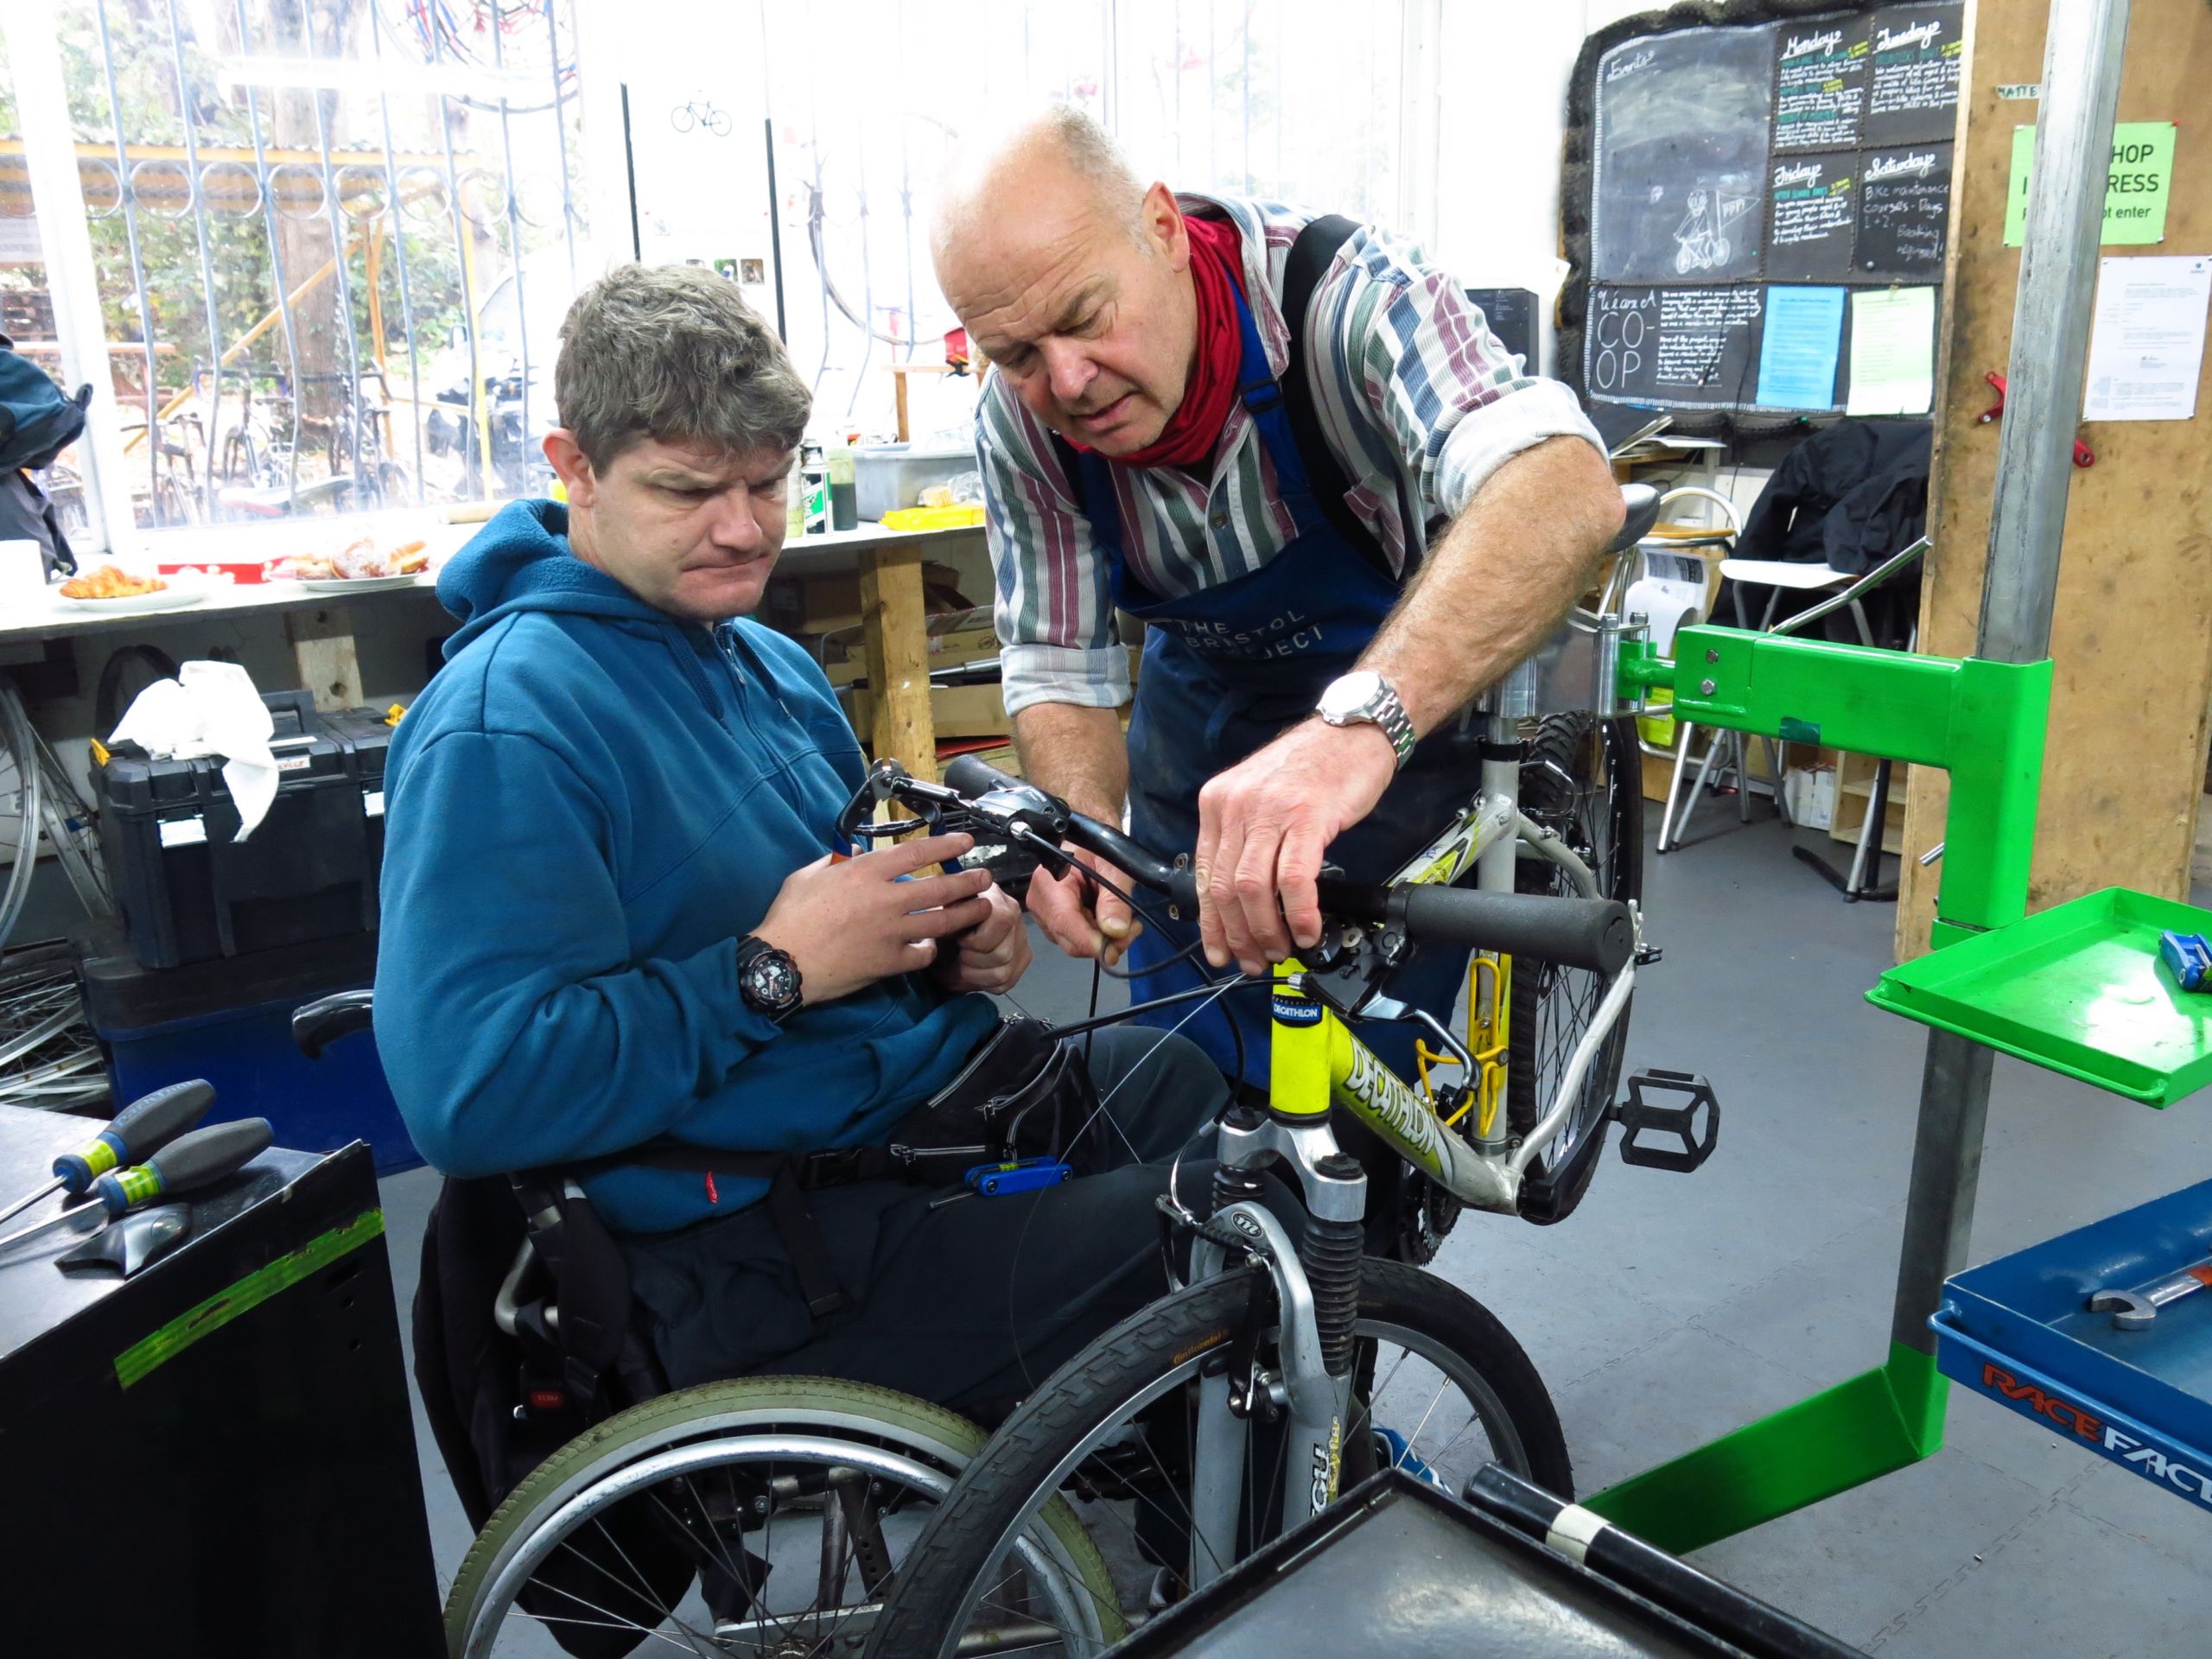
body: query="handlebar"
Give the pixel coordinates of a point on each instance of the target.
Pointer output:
(1596, 934)
(974, 777)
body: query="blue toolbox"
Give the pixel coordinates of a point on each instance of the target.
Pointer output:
(2102, 1335)
(230, 1020)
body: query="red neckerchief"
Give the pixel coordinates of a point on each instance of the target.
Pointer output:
(1218, 277)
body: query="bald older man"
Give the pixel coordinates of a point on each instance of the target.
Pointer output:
(1320, 605)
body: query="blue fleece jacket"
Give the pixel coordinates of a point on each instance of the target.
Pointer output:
(587, 808)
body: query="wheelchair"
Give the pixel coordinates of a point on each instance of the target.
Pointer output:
(762, 1515)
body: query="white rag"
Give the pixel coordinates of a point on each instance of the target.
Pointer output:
(210, 709)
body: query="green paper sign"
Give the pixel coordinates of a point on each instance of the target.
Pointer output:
(2141, 179)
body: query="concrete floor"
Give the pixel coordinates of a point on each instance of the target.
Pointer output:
(1670, 1309)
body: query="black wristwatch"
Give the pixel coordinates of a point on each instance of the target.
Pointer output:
(767, 978)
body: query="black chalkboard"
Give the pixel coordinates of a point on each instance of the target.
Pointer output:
(1912, 88)
(1715, 165)
(1905, 213)
(1682, 150)
(1813, 218)
(1819, 85)
(1676, 346)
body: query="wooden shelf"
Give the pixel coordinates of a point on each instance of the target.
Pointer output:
(1854, 788)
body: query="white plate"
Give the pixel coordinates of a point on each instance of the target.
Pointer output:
(335, 585)
(172, 598)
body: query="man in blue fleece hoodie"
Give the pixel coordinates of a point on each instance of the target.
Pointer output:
(611, 915)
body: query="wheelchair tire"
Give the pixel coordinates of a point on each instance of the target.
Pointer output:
(1055, 1439)
(709, 1421)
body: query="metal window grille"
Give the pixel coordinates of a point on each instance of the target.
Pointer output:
(333, 242)
(1292, 101)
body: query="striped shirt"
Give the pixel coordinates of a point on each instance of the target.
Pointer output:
(1418, 401)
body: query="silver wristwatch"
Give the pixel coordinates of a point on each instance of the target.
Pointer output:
(1364, 697)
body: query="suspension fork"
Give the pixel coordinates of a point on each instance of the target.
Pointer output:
(1316, 1293)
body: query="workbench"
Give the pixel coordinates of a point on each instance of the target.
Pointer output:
(319, 630)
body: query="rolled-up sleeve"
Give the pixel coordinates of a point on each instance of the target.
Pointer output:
(1423, 387)
(1054, 609)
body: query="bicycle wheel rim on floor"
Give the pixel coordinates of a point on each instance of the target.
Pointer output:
(962, 1557)
(661, 1461)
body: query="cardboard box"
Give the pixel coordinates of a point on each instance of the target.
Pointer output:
(1811, 795)
(955, 710)
(955, 637)
(825, 604)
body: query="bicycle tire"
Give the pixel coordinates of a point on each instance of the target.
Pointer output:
(729, 1406)
(1607, 806)
(964, 1536)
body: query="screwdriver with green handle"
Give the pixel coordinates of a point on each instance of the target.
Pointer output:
(136, 1133)
(185, 1165)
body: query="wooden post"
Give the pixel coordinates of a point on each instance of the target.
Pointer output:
(894, 635)
(372, 257)
(323, 648)
(2132, 634)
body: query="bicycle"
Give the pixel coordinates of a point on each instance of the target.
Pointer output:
(359, 447)
(700, 112)
(1283, 1371)
(174, 498)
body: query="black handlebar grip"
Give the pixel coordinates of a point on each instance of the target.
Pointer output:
(322, 1022)
(971, 775)
(1593, 933)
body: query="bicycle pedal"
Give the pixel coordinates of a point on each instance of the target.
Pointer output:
(1648, 954)
(1637, 1115)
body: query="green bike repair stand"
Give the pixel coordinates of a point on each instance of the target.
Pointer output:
(1982, 719)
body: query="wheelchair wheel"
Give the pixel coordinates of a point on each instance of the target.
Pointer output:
(762, 1515)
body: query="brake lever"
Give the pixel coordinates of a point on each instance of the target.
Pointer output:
(887, 780)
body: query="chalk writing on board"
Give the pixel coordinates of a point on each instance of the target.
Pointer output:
(1696, 327)
(1814, 215)
(1820, 87)
(1683, 127)
(1674, 345)
(1913, 88)
(1904, 212)
(1623, 338)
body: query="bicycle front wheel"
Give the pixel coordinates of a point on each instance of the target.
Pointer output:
(1444, 1390)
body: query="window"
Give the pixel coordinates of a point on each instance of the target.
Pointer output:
(330, 241)
(1291, 101)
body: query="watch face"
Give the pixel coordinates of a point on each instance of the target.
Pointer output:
(772, 978)
(1351, 694)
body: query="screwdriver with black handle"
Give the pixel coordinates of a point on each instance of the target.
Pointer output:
(185, 1165)
(135, 1133)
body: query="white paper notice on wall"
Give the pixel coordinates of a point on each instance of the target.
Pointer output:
(2146, 346)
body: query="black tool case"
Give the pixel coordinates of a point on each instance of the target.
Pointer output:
(190, 891)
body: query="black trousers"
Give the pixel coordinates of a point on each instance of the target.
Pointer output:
(971, 1302)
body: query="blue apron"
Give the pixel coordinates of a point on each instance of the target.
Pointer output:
(1226, 670)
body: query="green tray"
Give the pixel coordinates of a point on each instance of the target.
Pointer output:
(2077, 989)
